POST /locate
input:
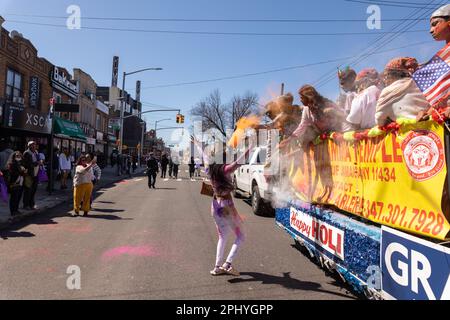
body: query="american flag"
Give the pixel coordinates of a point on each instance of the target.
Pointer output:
(433, 78)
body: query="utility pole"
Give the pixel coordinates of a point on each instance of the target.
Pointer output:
(122, 107)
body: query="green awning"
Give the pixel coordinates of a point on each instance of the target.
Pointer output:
(68, 128)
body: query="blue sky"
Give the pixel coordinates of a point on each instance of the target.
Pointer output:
(193, 57)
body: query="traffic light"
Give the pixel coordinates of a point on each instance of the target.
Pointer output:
(180, 118)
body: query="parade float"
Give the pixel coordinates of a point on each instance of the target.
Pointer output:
(373, 206)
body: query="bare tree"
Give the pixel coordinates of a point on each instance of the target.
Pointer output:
(242, 106)
(212, 112)
(221, 116)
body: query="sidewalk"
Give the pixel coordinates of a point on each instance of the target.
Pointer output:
(44, 201)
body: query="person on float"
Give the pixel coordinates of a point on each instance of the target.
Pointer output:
(363, 107)
(347, 84)
(440, 31)
(319, 115)
(401, 98)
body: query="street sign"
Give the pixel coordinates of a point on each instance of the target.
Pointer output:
(66, 107)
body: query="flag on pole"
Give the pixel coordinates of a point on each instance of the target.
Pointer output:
(433, 78)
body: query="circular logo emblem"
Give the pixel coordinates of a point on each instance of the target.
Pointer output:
(424, 154)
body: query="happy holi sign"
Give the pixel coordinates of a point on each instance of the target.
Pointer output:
(396, 179)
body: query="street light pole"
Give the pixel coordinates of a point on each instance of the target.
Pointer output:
(156, 123)
(122, 105)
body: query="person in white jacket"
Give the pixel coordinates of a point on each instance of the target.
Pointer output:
(65, 165)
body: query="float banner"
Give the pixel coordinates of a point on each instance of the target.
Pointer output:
(412, 268)
(318, 232)
(396, 179)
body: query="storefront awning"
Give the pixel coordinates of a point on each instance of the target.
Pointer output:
(69, 128)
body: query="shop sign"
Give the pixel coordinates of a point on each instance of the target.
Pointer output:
(19, 117)
(413, 268)
(60, 81)
(35, 89)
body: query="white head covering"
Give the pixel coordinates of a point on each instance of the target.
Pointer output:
(443, 11)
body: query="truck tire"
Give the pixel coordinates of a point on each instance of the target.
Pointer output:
(257, 202)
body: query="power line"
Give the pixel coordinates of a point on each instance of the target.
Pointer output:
(394, 4)
(275, 70)
(331, 76)
(215, 33)
(205, 20)
(374, 46)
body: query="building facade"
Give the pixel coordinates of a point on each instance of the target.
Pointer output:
(25, 92)
(68, 133)
(133, 127)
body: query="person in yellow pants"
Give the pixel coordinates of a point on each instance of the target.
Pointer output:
(82, 186)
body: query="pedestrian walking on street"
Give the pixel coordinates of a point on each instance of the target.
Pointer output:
(175, 168)
(224, 212)
(14, 179)
(134, 163)
(96, 173)
(55, 169)
(65, 165)
(152, 171)
(191, 168)
(31, 164)
(197, 169)
(164, 163)
(82, 183)
(170, 167)
(5, 153)
(128, 165)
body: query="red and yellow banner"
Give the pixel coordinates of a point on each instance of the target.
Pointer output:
(395, 179)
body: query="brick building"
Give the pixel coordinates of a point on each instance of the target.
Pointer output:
(25, 91)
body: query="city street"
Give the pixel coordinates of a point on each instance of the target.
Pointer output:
(153, 244)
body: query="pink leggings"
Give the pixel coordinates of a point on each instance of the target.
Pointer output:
(225, 223)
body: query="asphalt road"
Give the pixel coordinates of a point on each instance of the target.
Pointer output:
(153, 244)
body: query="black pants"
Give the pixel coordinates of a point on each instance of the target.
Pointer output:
(170, 171)
(191, 173)
(29, 193)
(175, 172)
(163, 171)
(151, 179)
(14, 199)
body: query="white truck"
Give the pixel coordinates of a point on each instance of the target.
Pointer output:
(249, 181)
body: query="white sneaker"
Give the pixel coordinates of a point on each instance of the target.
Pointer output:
(217, 271)
(230, 270)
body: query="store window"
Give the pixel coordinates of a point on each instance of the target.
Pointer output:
(13, 85)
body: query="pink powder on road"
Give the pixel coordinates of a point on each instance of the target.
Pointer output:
(139, 251)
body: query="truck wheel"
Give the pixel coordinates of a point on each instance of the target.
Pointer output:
(257, 202)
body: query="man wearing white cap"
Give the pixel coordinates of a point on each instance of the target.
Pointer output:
(31, 164)
(440, 24)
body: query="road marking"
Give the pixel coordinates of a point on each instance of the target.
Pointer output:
(139, 179)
